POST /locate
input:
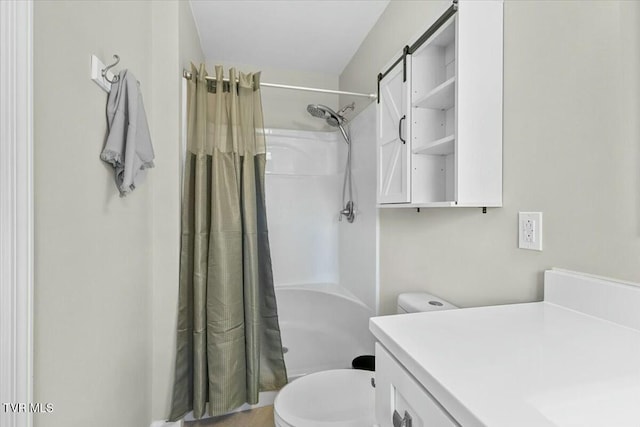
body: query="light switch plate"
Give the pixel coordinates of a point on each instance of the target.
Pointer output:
(530, 230)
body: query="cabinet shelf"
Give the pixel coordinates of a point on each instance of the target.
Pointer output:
(442, 97)
(440, 147)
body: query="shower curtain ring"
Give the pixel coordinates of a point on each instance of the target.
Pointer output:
(108, 67)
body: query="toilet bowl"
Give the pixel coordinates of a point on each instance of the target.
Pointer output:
(341, 397)
(335, 398)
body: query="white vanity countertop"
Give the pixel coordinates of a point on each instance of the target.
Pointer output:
(536, 364)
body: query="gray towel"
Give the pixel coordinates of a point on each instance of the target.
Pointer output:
(128, 147)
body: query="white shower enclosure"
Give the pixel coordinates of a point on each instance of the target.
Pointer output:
(309, 243)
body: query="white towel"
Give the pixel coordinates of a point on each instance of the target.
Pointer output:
(128, 147)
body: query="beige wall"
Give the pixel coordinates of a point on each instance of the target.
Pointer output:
(92, 261)
(175, 46)
(571, 150)
(106, 267)
(166, 201)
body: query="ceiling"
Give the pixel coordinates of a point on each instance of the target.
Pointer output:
(309, 35)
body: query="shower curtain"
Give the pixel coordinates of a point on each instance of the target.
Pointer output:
(228, 338)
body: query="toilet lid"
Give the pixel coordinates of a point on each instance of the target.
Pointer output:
(335, 398)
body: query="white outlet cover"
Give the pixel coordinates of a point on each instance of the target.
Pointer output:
(530, 230)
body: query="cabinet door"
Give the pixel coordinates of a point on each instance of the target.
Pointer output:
(393, 135)
(479, 97)
(399, 395)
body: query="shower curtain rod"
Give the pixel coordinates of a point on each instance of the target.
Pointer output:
(187, 75)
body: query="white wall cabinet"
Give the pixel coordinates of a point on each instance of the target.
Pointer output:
(449, 112)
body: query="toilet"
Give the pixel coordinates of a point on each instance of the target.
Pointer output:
(341, 397)
(418, 302)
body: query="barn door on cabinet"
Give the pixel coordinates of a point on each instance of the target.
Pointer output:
(393, 135)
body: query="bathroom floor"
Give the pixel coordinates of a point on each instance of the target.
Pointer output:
(259, 417)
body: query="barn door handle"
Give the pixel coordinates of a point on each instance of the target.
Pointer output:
(400, 129)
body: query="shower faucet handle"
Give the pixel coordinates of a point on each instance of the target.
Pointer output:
(399, 421)
(348, 211)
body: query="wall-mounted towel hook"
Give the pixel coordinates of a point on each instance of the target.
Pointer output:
(108, 67)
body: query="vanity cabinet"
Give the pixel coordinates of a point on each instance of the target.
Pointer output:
(569, 360)
(400, 398)
(439, 128)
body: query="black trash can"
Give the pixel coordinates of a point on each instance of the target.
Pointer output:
(364, 362)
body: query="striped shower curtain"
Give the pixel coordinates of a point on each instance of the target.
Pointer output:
(228, 338)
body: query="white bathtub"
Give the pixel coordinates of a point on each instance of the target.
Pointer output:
(322, 326)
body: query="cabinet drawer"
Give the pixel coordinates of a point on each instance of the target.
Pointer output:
(397, 391)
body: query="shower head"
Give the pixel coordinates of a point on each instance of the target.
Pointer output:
(317, 110)
(333, 119)
(324, 112)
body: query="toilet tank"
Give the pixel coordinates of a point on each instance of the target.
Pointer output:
(416, 302)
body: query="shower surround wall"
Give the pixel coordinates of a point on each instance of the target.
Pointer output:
(302, 211)
(304, 181)
(358, 241)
